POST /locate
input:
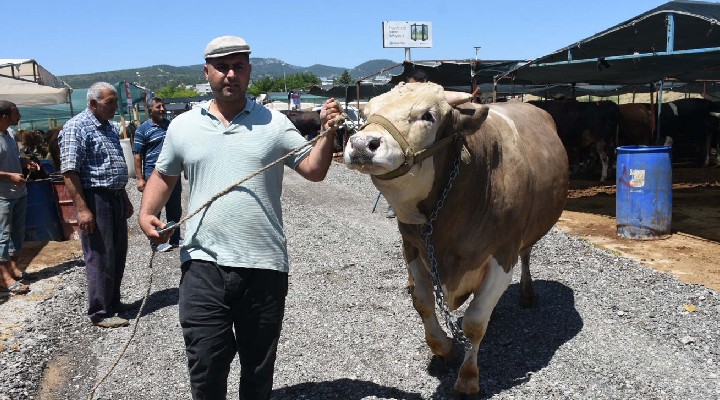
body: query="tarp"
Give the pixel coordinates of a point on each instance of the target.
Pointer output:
(451, 74)
(679, 40)
(39, 117)
(349, 93)
(457, 73)
(26, 83)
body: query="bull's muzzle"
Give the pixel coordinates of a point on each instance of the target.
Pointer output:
(363, 148)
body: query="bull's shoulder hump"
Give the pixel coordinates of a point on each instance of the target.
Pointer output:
(515, 110)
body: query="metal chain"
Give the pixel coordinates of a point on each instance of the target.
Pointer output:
(427, 230)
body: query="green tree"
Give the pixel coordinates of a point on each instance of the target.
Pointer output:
(344, 79)
(263, 85)
(301, 80)
(172, 91)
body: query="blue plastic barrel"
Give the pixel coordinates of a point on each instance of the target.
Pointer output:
(643, 203)
(48, 166)
(42, 223)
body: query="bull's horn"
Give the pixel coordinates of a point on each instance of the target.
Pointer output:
(457, 98)
(715, 114)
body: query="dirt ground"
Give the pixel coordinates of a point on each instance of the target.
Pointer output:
(692, 253)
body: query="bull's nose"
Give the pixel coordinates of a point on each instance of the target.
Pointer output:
(370, 143)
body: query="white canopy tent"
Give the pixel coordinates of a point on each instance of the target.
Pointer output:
(26, 83)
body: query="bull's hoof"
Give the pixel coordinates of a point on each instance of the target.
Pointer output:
(528, 301)
(449, 358)
(441, 364)
(466, 396)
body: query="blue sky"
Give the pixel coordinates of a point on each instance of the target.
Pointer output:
(74, 37)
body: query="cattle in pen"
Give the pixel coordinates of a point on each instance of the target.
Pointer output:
(585, 126)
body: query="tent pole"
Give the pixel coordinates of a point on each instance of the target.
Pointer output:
(659, 109)
(653, 114)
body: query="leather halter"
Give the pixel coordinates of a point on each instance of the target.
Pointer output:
(411, 157)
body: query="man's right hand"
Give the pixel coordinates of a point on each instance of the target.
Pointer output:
(140, 184)
(150, 225)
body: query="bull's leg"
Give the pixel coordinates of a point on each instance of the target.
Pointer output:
(423, 299)
(475, 322)
(527, 292)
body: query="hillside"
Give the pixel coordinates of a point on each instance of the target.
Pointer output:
(157, 76)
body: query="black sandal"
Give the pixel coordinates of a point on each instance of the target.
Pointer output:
(23, 276)
(16, 288)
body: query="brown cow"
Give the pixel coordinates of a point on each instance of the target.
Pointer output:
(508, 190)
(636, 125)
(307, 122)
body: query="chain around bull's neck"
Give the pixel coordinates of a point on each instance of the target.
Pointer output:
(426, 230)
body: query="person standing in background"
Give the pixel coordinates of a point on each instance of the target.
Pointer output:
(95, 172)
(148, 142)
(296, 100)
(13, 204)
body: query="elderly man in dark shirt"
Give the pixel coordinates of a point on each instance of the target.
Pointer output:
(95, 172)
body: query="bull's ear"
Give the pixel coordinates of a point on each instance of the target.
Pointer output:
(457, 98)
(469, 117)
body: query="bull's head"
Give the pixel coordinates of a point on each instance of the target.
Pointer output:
(404, 127)
(401, 124)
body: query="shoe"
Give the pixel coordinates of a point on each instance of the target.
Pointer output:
(164, 247)
(23, 275)
(390, 213)
(112, 322)
(16, 288)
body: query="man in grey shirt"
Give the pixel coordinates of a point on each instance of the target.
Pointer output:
(234, 259)
(13, 204)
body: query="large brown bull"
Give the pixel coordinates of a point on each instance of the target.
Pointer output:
(480, 183)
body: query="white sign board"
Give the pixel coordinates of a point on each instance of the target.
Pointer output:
(407, 34)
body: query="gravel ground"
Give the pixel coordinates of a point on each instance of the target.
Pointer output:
(605, 327)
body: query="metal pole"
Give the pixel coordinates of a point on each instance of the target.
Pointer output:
(659, 110)
(376, 202)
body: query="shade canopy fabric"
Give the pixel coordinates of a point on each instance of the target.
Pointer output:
(679, 40)
(26, 83)
(457, 73)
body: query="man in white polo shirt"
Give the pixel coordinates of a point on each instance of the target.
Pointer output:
(234, 259)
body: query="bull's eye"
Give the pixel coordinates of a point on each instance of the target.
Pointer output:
(427, 117)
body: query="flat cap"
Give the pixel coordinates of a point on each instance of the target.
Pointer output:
(226, 45)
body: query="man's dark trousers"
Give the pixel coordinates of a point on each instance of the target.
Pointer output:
(215, 299)
(105, 251)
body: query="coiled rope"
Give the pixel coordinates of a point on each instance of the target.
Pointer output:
(338, 121)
